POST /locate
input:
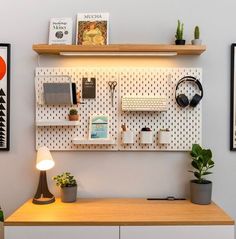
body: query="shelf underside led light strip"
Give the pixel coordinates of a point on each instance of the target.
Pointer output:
(130, 54)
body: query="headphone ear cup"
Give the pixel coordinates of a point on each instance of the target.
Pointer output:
(182, 100)
(195, 100)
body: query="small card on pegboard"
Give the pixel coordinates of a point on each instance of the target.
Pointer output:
(89, 88)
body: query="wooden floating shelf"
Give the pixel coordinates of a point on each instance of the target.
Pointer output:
(120, 50)
(57, 123)
(93, 141)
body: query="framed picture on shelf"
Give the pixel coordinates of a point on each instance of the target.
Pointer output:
(92, 29)
(99, 127)
(5, 96)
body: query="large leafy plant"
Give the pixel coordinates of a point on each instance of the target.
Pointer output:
(202, 162)
(65, 180)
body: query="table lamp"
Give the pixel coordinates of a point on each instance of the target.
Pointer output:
(44, 162)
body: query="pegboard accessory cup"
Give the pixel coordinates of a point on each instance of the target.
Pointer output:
(127, 137)
(146, 137)
(164, 136)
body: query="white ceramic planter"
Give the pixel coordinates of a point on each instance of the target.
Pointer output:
(164, 137)
(146, 137)
(197, 42)
(127, 137)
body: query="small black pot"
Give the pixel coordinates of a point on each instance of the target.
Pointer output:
(201, 192)
(180, 42)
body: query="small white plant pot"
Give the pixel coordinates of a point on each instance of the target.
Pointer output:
(146, 137)
(164, 137)
(127, 137)
(197, 42)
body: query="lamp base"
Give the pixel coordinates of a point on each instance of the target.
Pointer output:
(41, 201)
(43, 196)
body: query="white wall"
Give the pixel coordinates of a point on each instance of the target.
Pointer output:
(119, 174)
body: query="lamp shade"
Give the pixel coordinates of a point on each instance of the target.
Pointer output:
(44, 159)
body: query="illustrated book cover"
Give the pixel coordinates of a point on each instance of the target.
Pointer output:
(92, 29)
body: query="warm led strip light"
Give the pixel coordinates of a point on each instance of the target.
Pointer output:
(65, 53)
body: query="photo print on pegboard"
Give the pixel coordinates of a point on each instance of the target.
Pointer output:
(4, 96)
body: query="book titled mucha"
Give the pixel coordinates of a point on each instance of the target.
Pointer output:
(92, 29)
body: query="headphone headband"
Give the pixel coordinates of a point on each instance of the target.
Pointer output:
(190, 79)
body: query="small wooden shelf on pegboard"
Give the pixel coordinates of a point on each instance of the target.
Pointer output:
(93, 141)
(57, 123)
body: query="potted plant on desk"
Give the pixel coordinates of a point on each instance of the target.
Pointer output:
(68, 186)
(200, 188)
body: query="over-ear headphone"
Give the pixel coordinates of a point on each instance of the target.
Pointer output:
(182, 100)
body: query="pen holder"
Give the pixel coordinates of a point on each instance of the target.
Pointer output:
(127, 137)
(164, 137)
(146, 137)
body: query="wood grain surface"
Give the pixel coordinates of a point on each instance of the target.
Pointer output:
(119, 212)
(179, 49)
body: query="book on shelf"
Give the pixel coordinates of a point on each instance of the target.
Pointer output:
(92, 29)
(60, 31)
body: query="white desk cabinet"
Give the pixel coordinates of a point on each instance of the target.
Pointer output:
(62, 232)
(119, 219)
(177, 232)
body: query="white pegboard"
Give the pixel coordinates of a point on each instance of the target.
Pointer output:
(60, 138)
(185, 124)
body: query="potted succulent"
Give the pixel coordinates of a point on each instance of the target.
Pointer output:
(68, 186)
(179, 34)
(197, 40)
(73, 115)
(200, 188)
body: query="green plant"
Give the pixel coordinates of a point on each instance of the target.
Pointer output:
(201, 162)
(73, 112)
(197, 33)
(65, 180)
(179, 31)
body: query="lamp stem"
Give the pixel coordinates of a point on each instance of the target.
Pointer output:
(43, 196)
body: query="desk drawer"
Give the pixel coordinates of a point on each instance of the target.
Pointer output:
(177, 232)
(61, 232)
